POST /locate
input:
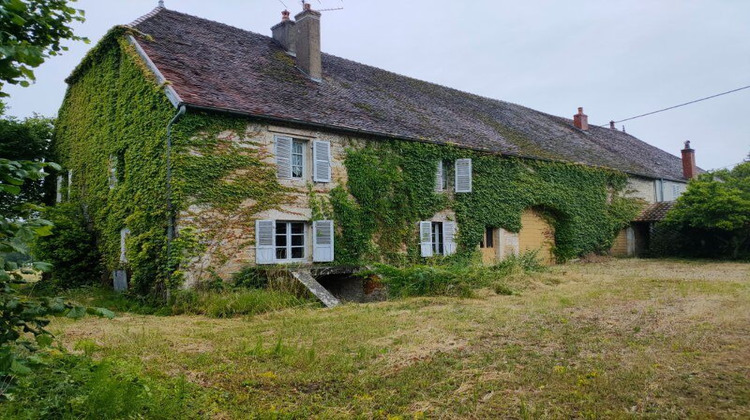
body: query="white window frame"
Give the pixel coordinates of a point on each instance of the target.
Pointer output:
(288, 245)
(303, 146)
(440, 178)
(437, 237)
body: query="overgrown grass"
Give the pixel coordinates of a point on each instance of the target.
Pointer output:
(455, 277)
(224, 304)
(620, 338)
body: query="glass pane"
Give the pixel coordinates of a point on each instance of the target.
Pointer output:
(298, 228)
(280, 240)
(280, 253)
(298, 252)
(296, 171)
(280, 228)
(298, 240)
(297, 147)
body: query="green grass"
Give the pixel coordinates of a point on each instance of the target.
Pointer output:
(622, 338)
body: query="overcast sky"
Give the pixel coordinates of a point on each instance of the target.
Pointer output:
(615, 58)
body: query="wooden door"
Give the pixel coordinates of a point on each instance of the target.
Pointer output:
(537, 234)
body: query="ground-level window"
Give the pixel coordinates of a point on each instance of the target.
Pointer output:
(437, 238)
(290, 241)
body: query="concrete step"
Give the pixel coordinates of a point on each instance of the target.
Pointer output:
(304, 277)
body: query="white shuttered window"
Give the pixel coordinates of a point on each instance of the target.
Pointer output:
(425, 238)
(463, 175)
(321, 161)
(283, 152)
(449, 238)
(264, 241)
(323, 241)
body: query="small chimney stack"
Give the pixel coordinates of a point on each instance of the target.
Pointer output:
(612, 125)
(689, 170)
(581, 120)
(284, 33)
(308, 43)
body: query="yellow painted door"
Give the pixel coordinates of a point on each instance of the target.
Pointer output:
(536, 234)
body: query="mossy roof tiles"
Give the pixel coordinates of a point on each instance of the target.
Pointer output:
(214, 65)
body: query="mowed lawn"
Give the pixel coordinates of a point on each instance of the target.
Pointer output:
(619, 338)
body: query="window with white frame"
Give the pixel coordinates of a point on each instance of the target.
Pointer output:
(298, 159)
(281, 241)
(292, 158)
(437, 238)
(290, 241)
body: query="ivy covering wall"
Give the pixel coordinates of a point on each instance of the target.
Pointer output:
(115, 116)
(391, 188)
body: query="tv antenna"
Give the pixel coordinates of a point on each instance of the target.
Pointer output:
(321, 3)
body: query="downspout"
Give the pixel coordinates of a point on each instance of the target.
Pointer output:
(170, 211)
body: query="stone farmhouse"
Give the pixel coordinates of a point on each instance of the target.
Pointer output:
(204, 148)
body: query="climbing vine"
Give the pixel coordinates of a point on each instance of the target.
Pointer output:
(391, 188)
(114, 111)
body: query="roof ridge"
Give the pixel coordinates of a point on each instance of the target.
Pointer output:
(146, 17)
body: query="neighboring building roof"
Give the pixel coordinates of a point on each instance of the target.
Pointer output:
(655, 212)
(216, 66)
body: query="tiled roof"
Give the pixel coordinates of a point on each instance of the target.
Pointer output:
(217, 66)
(654, 212)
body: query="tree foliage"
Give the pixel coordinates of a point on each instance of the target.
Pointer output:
(718, 203)
(28, 140)
(30, 32)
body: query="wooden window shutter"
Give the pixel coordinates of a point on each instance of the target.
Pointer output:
(463, 175)
(283, 151)
(323, 241)
(321, 161)
(439, 175)
(265, 241)
(449, 238)
(425, 238)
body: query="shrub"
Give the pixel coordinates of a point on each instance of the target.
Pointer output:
(71, 249)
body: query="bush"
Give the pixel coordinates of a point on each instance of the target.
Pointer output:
(230, 303)
(71, 249)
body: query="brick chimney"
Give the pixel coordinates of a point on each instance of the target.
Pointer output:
(581, 120)
(285, 33)
(689, 170)
(308, 42)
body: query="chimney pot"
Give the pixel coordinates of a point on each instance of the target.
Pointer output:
(285, 15)
(689, 169)
(581, 120)
(612, 125)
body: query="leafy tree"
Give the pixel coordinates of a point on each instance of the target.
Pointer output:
(718, 203)
(26, 140)
(30, 32)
